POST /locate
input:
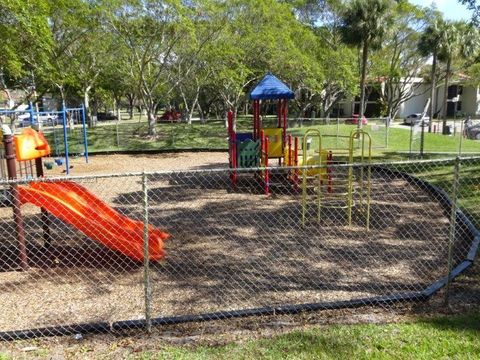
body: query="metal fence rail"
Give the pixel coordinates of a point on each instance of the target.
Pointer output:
(95, 259)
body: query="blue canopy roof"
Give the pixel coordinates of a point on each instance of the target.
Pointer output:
(271, 88)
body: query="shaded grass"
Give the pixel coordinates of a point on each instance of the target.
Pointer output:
(439, 337)
(442, 175)
(133, 137)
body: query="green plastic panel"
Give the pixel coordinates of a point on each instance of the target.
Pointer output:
(248, 154)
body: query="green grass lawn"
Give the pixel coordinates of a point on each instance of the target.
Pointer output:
(440, 337)
(131, 136)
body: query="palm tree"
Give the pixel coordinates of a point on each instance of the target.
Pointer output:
(457, 40)
(428, 45)
(364, 24)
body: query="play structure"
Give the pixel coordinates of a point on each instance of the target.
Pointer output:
(73, 204)
(326, 176)
(65, 141)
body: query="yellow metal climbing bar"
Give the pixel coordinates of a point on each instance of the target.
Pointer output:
(311, 133)
(365, 157)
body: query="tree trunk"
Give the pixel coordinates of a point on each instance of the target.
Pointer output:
(192, 109)
(152, 121)
(362, 83)
(433, 77)
(131, 100)
(445, 98)
(200, 112)
(86, 102)
(186, 112)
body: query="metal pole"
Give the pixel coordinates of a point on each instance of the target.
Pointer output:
(338, 129)
(453, 220)
(422, 137)
(146, 260)
(411, 140)
(462, 129)
(387, 131)
(85, 138)
(65, 137)
(32, 117)
(47, 237)
(17, 214)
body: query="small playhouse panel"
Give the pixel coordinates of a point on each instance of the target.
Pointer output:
(275, 143)
(248, 153)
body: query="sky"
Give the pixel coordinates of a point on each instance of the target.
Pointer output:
(452, 9)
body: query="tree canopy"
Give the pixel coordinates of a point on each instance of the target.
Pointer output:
(205, 55)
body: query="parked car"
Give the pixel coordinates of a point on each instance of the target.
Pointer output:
(414, 119)
(472, 130)
(104, 116)
(354, 120)
(42, 119)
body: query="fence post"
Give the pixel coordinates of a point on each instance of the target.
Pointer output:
(65, 137)
(453, 220)
(338, 130)
(146, 260)
(117, 125)
(411, 143)
(387, 131)
(462, 130)
(47, 237)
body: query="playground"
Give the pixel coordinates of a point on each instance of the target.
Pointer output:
(118, 246)
(223, 260)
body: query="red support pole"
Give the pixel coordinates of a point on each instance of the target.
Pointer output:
(285, 120)
(295, 163)
(264, 158)
(230, 122)
(254, 104)
(267, 175)
(256, 119)
(235, 162)
(17, 214)
(279, 113)
(290, 155)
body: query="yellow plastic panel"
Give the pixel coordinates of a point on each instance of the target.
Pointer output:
(275, 146)
(31, 145)
(314, 160)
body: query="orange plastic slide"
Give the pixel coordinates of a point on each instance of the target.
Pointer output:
(75, 205)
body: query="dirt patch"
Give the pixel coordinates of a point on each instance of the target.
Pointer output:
(120, 163)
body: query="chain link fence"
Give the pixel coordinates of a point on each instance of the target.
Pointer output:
(393, 138)
(91, 254)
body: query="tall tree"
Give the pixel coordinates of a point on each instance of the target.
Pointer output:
(150, 31)
(475, 7)
(398, 63)
(457, 40)
(364, 25)
(25, 42)
(428, 45)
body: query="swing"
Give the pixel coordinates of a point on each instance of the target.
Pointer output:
(58, 160)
